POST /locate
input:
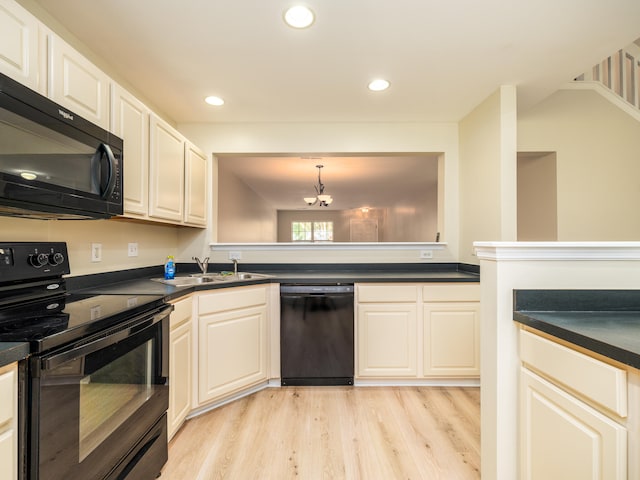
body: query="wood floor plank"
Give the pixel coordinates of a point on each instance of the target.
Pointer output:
(354, 433)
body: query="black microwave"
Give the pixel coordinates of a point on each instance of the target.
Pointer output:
(53, 163)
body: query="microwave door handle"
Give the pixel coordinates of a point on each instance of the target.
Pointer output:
(105, 151)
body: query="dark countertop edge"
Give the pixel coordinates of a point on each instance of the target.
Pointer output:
(287, 272)
(590, 343)
(13, 352)
(576, 300)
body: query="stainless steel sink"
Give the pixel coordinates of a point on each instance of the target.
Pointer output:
(199, 278)
(233, 277)
(184, 281)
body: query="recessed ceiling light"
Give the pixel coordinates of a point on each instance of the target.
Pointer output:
(379, 85)
(299, 16)
(216, 101)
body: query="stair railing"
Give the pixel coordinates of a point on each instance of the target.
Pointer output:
(620, 73)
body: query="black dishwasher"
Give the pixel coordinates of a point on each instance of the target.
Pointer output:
(316, 334)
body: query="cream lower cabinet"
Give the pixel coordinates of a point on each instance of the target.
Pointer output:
(8, 421)
(180, 364)
(573, 411)
(386, 331)
(232, 341)
(418, 330)
(451, 330)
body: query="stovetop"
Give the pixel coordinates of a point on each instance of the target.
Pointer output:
(35, 306)
(55, 321)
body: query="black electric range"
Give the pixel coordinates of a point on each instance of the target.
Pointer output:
(89, 354)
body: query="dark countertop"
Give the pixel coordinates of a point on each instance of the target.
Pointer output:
(139, 281)
(603, 321)
(13, 352)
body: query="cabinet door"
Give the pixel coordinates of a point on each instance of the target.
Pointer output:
(232, 352)
(19, 57)
(451, 337)
(387, 340)
(130, 121)
(8, 421)
(166, 169)
(180, 374)
(77, 84)
(564, 438)
(196, 198)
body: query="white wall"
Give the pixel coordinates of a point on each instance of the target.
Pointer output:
(155, 242)
(488, 172)
(305, 138)
(598, 163)
(242, 213)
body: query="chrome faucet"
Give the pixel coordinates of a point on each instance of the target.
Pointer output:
(235, 266)
(203, 264)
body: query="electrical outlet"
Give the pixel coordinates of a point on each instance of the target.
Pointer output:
(235, 255)
(426, 254)
(132, 249)
(96, 252)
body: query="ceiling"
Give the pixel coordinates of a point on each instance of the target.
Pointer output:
(352, 181)
(442, 57)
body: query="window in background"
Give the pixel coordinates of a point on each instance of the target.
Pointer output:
(312, 231)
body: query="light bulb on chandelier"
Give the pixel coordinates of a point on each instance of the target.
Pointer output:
(321, 197)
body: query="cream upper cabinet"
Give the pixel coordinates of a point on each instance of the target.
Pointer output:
(398, 324)
(180, 364)
(130, 121)
(196, 186)
(574, 420)
(76, 83)
(166, 171)
(232, 341)
(19, 53)
(9, 421)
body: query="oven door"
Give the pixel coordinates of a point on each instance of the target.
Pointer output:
(95, 403)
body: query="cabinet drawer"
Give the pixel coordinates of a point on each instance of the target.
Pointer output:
(600, 382)
(240, 297)
(387, 293)
(451, 292)
(181, 312)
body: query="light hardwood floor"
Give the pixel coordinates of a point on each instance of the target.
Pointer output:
(310, 433)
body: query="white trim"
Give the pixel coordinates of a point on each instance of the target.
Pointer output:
(613, 97)
(557, 250)
(330, 246)
(426, 382)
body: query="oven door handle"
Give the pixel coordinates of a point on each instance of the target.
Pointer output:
(110, 337)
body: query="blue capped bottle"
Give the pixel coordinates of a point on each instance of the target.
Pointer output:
(169, 268)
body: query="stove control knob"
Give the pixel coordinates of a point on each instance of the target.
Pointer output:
(56, 258)
(38, 259)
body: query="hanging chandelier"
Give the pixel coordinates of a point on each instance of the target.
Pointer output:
(325, 200)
